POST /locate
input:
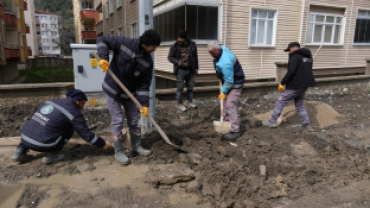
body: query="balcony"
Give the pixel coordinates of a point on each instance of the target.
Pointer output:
(99, 28)
(10, 18)
(12, 51)
(88, 35)
(25, 6)
(88, 16)
(27, 29)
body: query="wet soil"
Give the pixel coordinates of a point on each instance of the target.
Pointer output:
(326, 167)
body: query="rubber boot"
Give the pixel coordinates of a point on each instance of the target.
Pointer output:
(120, 155)
(136, 146)
(20, 154)
(52, 157)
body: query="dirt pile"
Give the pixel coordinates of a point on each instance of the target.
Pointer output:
(321, 114)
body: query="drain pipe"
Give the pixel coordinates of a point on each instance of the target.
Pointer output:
(226, 11)
(302, 16)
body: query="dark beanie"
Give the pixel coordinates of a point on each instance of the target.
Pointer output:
(150, 37)
(182, 34)
(76, 95)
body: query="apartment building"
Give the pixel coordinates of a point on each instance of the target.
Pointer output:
(257, 32)
(85, 17)
(31, 36)
(47, 26)
(13, 44)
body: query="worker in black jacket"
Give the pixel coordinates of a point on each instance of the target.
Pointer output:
(53, 124)
(298, 78)
(184, 57)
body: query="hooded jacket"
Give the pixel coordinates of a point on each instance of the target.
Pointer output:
(299, 73)
(174, 56)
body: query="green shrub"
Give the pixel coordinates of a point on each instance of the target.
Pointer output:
(47, 75)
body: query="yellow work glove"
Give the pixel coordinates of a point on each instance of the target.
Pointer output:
(104, 64)
(222, 96)
(281, 88)
(144, 111)
(107, 145)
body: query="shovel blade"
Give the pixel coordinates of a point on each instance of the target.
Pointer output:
(222, 127)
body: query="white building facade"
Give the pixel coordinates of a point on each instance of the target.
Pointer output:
(47, 33)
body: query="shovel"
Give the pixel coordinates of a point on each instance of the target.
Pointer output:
(221, 126)
(164, 136)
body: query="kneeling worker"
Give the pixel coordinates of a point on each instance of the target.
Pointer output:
(51, 127)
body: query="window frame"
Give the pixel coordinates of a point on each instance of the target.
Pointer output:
(120, 31)
(107, 10)
(343, 29)
(366, 17)
(275, 25)
(118, 4)
(109, 7)
(134, 31)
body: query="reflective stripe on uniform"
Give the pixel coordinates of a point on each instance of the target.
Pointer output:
(236, 86)
(63, 110)
(303, 113)
(94, 140)
(102, 45)
(127, 51)
(232, 112)
(111, 90)
(142, 93)
(277, 110)
(143, 62)
(36, 143)
(228, 85)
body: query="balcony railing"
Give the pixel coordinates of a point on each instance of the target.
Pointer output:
(12, 45)
(9, 10)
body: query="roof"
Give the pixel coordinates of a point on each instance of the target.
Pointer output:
(37, 11)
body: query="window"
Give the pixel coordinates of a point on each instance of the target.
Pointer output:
(39, 40)
(134, 30)
(38, 33)
(120, 32)
(37, 25)
(18, 13)
(111, 33)
(262, 27)
(37, 17)
(362, 32)
(43, 25)
(201, 22)
(324, 29)
(87, 4)
(118, 3)
(40, 48)
(110, 6)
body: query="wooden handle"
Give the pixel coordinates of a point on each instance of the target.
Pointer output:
(164, 136)
(222, 105)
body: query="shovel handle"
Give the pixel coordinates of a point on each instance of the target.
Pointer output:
(161, 132)
(221, 105)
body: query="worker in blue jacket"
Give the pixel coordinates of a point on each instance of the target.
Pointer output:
(132, 63)
(53, 124)
(230, 73)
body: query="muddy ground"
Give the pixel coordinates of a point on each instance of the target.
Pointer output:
(328, 167)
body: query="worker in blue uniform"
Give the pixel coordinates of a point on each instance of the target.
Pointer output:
(53, 124)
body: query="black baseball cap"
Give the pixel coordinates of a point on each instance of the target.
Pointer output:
(292, 44)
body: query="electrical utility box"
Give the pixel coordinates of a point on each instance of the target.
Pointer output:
(88, 74)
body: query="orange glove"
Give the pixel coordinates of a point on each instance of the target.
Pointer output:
(144, 111)
(107, 145)
(104, 64)
(281, 88)
(222, 96)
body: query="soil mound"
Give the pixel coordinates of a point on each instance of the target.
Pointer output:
(320, 113)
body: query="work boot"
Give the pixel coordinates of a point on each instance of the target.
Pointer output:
(181, 107)
(120, 155)
(20, 154)
(307, 127)
(52, 157)
(269, 124)
(193, 105)
(231, 136)
(136, 146)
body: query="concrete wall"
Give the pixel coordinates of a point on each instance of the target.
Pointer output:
(8, 73)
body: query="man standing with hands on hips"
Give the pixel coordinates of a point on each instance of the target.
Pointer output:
(132, 63)
(297, 79)
(184, 57)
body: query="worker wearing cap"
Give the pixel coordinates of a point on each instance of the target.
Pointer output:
(230, 73)
(297, 79)
(184, 57)
(51, 127)
(132, 63)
